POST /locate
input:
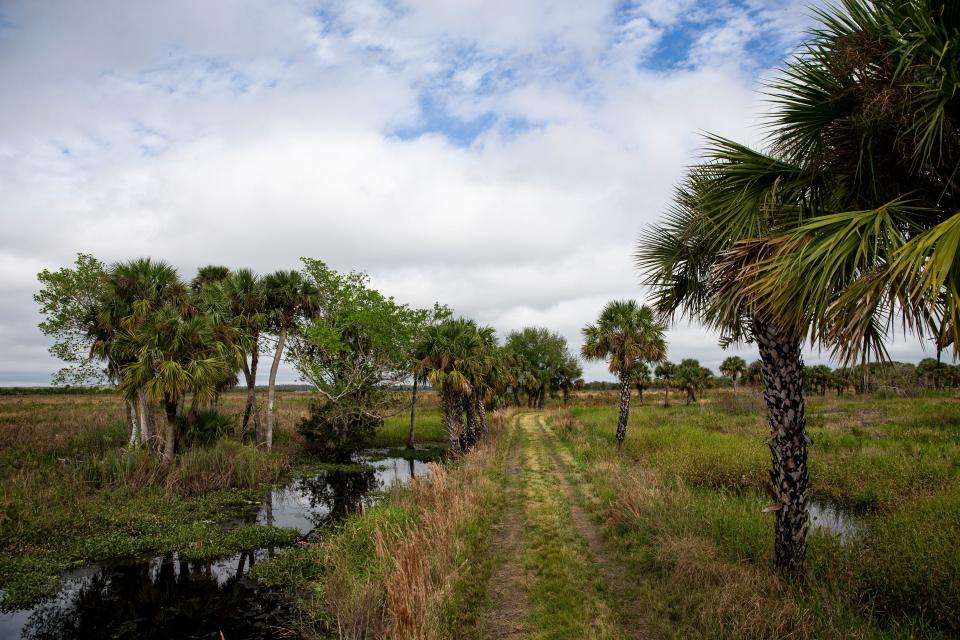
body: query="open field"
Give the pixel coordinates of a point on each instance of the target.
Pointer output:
(543, 531)
(668, 538)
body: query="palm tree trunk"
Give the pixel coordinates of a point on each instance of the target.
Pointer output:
(472, 427)
(133, 425)
(272, 388)
(170, 441)
(640, 393)
(783, 393)
(666, 393)
(482, 414)
(251, 375)
(624, 411)
(453, 416)
(413, 413)
(144, 409)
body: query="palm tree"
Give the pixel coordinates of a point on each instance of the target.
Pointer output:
(734, 368)
(666, 370)
(449, 349)
(691, 377)
(136, 284)
(174, 354)
(847, 224)
(641, 378)
(247, 301)
(628, 335)
(289, 297)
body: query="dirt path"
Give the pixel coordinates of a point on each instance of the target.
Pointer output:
(613, 573)
(509, 590)
(557, 579)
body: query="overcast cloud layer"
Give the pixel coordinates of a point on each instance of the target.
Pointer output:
(497, 156)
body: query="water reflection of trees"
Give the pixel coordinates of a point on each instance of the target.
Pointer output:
(333, 495)
(164, 598)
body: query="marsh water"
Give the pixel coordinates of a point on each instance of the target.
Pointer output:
(166, 596)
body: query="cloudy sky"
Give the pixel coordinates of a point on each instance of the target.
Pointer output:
(500, 156)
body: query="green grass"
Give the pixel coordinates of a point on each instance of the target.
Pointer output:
(429, 428)
(894, 463)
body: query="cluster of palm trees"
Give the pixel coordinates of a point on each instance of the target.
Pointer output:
(164, 341)
(846, 227)
(470, 371)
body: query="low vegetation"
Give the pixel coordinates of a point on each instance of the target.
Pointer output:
(686, 501)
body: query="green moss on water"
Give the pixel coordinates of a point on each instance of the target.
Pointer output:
(121, 524)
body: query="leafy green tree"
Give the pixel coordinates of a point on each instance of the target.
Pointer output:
(354, 347)
(541, 363)
(666, 371)
(626, 334)
(289, 297)
(734, 367)
(70, 299)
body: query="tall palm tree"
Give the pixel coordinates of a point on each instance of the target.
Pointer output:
(136, 284)
(733, 367)
(627, 334)
(848, 224)
(173, 354)
(289, 297)
(247, 300)
(450, 350)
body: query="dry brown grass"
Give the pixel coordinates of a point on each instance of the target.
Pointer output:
(420, 549)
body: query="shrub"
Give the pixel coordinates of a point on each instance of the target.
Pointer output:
(205, 427)
(335, 432)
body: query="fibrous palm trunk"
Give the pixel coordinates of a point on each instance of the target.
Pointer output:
(413, 413)
(666, 393)
(272, 388)
(783, 393)
(473, 427)
(482, 414)
(453, 416)
(624, 410)
(251, 375)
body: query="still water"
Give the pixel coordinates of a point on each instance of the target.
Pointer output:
(169, 597)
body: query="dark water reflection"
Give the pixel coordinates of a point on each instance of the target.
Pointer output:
(168, 597)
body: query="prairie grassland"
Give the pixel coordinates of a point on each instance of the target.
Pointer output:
(684, 501)
(72, 492)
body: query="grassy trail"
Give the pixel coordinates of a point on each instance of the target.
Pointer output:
(557, 579)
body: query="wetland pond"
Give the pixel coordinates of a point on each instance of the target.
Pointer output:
(167, 597)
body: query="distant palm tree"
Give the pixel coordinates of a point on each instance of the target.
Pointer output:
(627, 334)
(289, 297)
(733, 367)
(666, 370)
(641, 378)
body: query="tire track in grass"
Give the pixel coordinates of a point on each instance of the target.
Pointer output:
(508, 592)
(620, 585)
(570, 600)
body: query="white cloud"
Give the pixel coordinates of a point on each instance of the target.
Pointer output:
(255, 133)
